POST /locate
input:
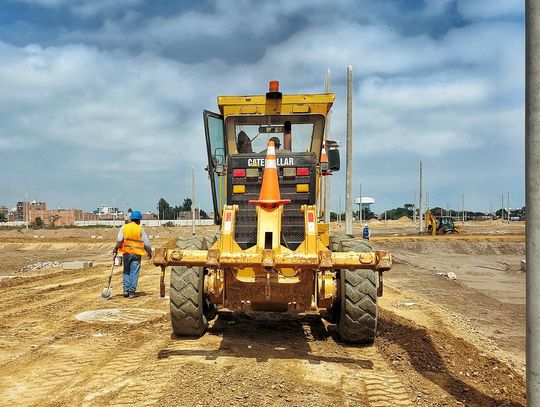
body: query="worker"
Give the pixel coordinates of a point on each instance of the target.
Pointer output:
(366, 233)
(277, 144)
(244, 143)
(287, 136)
(132, 242)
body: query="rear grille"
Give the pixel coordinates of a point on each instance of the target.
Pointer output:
(292, 224)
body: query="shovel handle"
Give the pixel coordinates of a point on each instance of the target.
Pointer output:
(112, 271)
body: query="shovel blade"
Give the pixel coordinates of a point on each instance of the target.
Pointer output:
(106, 294)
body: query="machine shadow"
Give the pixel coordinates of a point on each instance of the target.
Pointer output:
(264, 336)
(425, 358)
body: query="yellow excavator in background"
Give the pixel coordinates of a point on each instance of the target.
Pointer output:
(443, 225)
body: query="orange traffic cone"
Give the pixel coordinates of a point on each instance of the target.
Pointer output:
(324, 165)
(270, 196)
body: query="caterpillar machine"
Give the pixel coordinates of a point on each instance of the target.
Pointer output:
(266, 160)
(443, 225)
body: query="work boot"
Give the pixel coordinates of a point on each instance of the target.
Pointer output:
(126, 294)
(131, 294)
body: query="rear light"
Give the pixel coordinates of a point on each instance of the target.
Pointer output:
(239, 189)
(239, 173)
(302, 172)
(252, 172)
(302, 187)
(289, 172)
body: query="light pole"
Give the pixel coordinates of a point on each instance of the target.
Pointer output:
(532, 197)
(348, 172)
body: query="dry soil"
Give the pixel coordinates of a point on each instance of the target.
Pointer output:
(441, 342)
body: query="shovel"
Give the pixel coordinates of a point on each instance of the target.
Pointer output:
(106, 294)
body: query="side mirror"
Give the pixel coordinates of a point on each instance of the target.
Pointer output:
(333, 159)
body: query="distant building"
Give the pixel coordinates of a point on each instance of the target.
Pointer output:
(149, 216)
(58, 217)
(4, 212)
(187, 215)
(24, 207)
(106, 210)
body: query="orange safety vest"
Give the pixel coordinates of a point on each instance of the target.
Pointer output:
(133, 242)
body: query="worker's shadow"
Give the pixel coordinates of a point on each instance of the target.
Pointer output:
(425, 358)
(264, 336)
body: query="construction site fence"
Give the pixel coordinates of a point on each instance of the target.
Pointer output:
(118, 223)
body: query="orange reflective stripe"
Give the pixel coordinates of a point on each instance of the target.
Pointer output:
(134, 240)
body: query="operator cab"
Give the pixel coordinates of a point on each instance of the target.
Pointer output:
(237, 140)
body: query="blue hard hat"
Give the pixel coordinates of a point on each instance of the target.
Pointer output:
(136, 215)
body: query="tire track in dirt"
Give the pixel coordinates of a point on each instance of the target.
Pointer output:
(267, 360)
(383, 386)
(47, 330)
(95, 386)
(53, 370)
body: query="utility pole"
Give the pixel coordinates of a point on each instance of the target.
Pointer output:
(326, 179)
(414, 208)
(502, 207)
(532, 197)
(462, 208)
(348, 173)
(420, 200)
(339, 211)
(360, 205)
(193, 200)
(26, 210)
(508, 205)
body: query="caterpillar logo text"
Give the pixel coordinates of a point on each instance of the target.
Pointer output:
(280, 161)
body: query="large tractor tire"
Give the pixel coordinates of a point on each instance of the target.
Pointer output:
(356, 309)
(187, 300)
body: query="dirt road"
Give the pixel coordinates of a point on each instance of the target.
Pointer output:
(427, 352)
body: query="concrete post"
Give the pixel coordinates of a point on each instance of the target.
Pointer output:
(414, 208)
(532, 197)
(502, 207)
(348, 174)
(193, 200)
(420, 215)
(508, 205)
(339, 211)
(360, 214)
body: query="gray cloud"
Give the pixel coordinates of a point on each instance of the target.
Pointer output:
(84, 8)
(488, 9)
(129, 92)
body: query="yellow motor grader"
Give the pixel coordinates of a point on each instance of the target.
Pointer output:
(272, 253)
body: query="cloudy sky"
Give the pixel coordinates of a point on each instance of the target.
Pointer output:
(103, 99)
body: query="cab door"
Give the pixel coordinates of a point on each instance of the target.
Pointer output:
(217, 153)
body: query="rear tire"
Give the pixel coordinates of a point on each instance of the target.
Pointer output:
(358, 306)
(356, 309)
(187, 300)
